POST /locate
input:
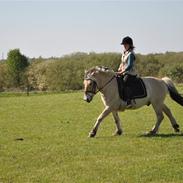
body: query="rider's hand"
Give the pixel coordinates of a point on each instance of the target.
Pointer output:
(119, 73)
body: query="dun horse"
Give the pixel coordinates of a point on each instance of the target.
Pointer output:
(101, 80)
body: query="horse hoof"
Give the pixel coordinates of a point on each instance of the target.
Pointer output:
(117, 133)
(176, 128)
(150, 133)
(92, 134)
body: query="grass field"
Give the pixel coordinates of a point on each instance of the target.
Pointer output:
(43, 138)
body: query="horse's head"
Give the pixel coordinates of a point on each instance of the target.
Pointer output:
(90, 84)
(93, 81)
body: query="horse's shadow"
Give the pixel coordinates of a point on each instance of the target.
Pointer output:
(162, 135)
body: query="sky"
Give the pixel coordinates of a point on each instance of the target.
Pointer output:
(56, 28)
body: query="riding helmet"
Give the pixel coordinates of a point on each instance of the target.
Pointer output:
(127, 40)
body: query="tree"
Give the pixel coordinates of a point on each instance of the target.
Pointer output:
(3, 76)
(16, 63)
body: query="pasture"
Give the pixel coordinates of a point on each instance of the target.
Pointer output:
(43, 138)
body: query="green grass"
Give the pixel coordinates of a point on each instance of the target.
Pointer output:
(56, 148)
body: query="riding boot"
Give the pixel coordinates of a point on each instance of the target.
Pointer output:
(128, 96)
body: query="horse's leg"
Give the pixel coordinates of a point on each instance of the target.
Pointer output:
(167, 111)
(159, 114)
(119, 130)
(105, 112)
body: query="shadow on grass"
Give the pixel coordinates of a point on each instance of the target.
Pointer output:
(108, 137)
(170, 135)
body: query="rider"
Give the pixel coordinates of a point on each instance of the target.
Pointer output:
(127, 66)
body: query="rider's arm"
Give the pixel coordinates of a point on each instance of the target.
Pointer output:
(131, 59)
(120, 67)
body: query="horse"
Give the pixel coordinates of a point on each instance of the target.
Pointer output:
(102, 80)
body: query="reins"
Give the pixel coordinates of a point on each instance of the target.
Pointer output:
(99, 89)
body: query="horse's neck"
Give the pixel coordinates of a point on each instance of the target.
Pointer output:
(103, 79)
(104, 83)
(109, 91)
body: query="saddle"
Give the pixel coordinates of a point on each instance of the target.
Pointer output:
(134, 87)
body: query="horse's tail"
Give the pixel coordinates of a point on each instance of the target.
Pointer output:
(174, 94)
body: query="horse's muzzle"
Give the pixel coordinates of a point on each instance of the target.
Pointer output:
(87, 98)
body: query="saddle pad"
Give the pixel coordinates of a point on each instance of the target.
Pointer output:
(135, 86)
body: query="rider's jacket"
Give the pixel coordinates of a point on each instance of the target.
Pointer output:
(128, 63)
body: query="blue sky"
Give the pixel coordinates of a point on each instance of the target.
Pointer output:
(53, 28)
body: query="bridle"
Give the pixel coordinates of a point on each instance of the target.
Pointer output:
(94, 85)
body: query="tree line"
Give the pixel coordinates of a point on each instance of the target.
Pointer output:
(67, 72)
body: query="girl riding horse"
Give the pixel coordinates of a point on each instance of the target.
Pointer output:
(127, 66)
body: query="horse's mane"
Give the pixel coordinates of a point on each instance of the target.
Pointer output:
(100, 69)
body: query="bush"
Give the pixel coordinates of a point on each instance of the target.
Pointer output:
(66, 73)
(174, 71)
(36, 75)
(149, 66)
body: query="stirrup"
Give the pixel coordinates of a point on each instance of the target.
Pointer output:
(129, 105)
